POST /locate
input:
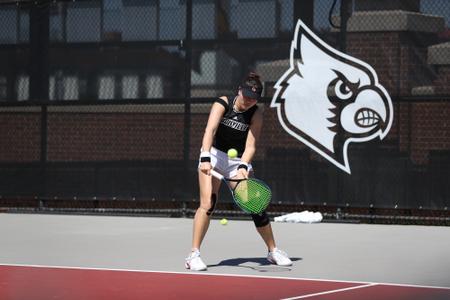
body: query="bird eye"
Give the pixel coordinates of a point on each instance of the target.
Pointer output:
(342, 90)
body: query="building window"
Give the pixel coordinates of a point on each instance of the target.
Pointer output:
(154, 86)
(106, 87)
(57, 20)
(71, 88)
(8, 25)
(56, 86)
(24, 27)
(23, 88)
(130, 87)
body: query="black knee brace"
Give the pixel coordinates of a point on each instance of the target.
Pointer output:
(213, 204)
(261, 220)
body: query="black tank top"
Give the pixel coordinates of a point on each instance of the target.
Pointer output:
(233, 128)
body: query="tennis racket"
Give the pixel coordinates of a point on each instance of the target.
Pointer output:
(251, 195)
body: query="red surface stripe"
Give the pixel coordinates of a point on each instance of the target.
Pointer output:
(19, 283)
(42, 283)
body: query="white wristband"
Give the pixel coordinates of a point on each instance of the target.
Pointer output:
(205, 154)
(243, 165)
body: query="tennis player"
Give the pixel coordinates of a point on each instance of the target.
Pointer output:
(234, 122)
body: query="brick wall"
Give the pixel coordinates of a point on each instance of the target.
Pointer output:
(399, 58)
(430, 130)
(381, 51)
(20, 137)
(418, 128)
(442, 81)
(422, 128)
(114, 136)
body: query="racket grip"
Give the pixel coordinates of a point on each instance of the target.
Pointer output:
(216, 174)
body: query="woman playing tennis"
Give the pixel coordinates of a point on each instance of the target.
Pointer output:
(234, 122)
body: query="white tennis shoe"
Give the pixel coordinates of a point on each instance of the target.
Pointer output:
(279, 258)
(194, 262)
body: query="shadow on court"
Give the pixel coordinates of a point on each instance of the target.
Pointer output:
(259, 264)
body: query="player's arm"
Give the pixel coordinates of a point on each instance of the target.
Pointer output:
(252, 138)
(215, 115)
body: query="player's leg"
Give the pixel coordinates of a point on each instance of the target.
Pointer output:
(275, 255)
(209, 187)
(262, 221)
(262, 224)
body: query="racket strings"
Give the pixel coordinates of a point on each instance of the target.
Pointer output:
(252, 195)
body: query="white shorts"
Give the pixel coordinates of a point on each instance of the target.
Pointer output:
(225, 165)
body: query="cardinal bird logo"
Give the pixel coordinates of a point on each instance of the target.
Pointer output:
(328, 99)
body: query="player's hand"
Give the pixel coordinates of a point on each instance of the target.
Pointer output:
(242, 173)
(206, 167)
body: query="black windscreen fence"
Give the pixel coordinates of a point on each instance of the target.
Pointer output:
(103, 104)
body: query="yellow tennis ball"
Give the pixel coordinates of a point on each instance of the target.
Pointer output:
(232, 153)
(224, 221)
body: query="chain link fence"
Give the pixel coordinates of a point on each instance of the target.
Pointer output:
(134, 49)
(109, 99)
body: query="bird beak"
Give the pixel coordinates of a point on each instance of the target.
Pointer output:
(367, 112)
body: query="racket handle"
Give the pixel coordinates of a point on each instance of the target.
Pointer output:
(216, 174)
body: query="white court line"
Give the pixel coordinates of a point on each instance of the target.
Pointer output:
(219, 274)
(331, 291)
